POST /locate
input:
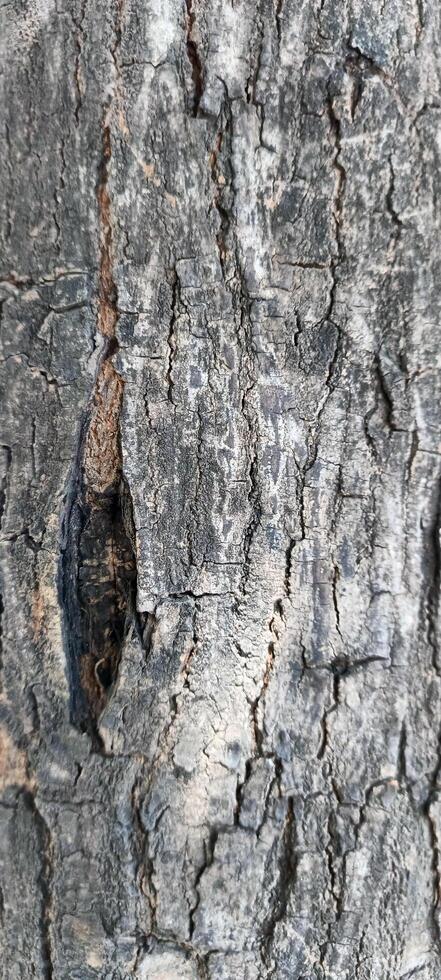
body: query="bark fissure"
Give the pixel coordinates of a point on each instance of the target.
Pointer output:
(44, 883)
(171, 337)
(337, 205)
(98, 571)
(194, 57)
(435, 845)
(434, 580)
(287, 864)
(209, 848)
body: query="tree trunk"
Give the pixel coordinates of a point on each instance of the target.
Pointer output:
(221, 667)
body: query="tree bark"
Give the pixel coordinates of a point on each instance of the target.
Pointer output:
(221, 663)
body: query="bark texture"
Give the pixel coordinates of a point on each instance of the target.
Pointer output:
(221, 498)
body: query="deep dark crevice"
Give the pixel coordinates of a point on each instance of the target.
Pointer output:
(171, 338)
(240, 788)
(254, 500)
(401, 759)
(98, 571)
(194, 59)
(385, 394)
(106, 582)
(279, 7)
(98, 579)
(357, 89)
(335, 580)
(219, 181)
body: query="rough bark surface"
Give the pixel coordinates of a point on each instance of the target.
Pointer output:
(221, 498)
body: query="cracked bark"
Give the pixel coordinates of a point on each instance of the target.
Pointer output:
(220, 491)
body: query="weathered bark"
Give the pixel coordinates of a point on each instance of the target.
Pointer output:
(221, 666)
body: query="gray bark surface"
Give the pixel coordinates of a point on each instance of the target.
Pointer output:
(220, 539)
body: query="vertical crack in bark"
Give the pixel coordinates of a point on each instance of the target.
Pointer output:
(251, 84)
(219, 181)
(434, 578)
(254, 499)
(44, 883)
(276, 624)
(278, 12)
(195, 644)
(337, 206)
(98, 556)
(335, 579)
(385, 395)
(356, 74)
(194, 58)
(285, 883)
(7, 454)
(288, 567)
(171, 338)
(393, 213)
(420, 22)
(426, 811)
(78, 77)
(401, 758)
(193, 529)
(144, 867)
(360, 960)
(331, 849)
(324, 744)
(251, 419)
(337, 876)
(436, 870)
(209, 848)
(258, 729)
(384, 402)
(7, 462)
